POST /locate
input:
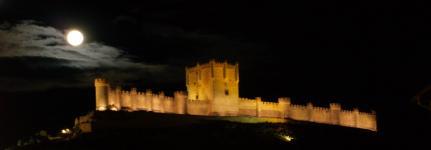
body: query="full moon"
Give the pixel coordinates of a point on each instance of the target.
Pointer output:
(75, 37)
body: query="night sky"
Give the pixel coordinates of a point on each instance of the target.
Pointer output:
(367, 54)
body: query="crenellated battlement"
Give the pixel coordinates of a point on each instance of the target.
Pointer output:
(269, 103)
(100, 82)
(211, 63)
(348, 111)
(366, 113)
(212, 89)
(247, 101)
(284, 100)
(298, 106)
(335, 106)
(180, 94)
(125, 92)
(320, 109)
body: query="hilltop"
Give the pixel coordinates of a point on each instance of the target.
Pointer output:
(140, 130)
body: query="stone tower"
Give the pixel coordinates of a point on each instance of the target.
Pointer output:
(102, 91)
(217, 83)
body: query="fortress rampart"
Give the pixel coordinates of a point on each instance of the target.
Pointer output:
(179, 104)
(213, 91)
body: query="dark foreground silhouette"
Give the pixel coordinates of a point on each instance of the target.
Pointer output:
(142, 130)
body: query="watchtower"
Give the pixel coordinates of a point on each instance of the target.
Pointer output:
(102, 91)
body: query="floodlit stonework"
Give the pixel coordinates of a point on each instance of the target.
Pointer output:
(212, 90)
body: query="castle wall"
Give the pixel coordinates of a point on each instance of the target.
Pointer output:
(169, 105)
(283, 106)
(335, 110)
(268, 109)
(140, 104)
(247, 107)
(117, 98)
(347, 118)
(180, 104)
(367, 121)
(298, 112)
(213, 89)
(126, 101)
(157, 103)
(196, 107)
(225, 107)
(148, 104)
(133, 99)
(147, 101)
(320, 115)
(111, 97)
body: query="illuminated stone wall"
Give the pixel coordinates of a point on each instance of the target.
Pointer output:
(140, 104)
(197, 107)
(102, 93)
(320, 115)
(298, 112)
(125, 100)
(366, 121)
(247, 107)
(180, 102)
(347, 118)
(217, 83)
(135, 100)
(213, 90)
(267, 109)
(148, 100)
(168, 105)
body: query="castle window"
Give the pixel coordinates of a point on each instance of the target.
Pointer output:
(226, 91)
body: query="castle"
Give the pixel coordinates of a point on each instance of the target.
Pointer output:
(213, 90)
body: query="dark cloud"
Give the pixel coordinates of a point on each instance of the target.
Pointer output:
(179, 45)
(35, 56)
(28, 39)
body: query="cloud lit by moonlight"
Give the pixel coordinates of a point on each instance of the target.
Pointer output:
(75, 37)
(62, 59)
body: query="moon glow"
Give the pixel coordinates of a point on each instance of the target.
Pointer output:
(75, 37)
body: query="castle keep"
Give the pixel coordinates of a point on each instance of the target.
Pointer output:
(216, 84)
(212, 90)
